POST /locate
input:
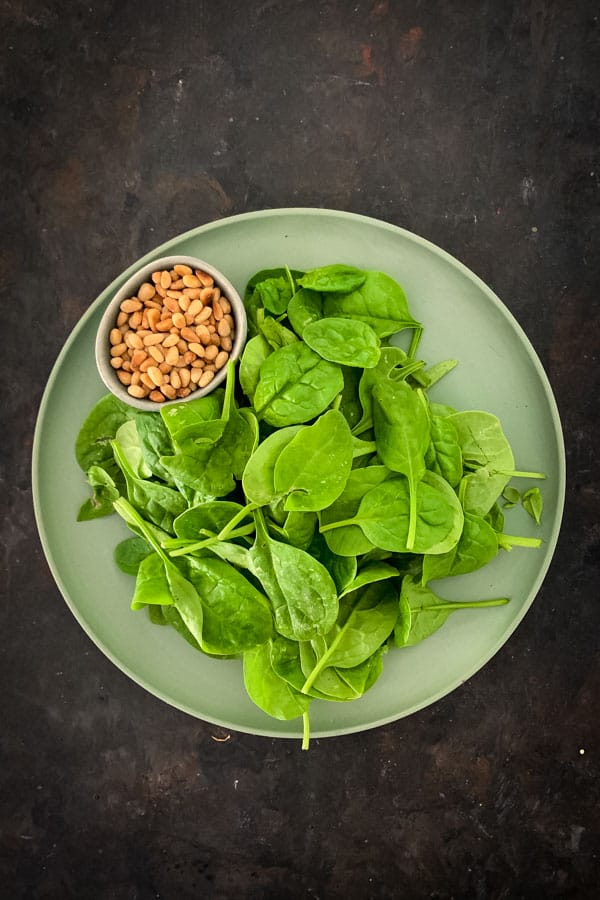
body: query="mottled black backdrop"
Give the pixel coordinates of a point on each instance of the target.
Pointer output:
(474, 124)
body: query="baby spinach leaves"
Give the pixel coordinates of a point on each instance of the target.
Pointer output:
(296, 517)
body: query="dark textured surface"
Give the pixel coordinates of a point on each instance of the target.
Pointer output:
(474, 124)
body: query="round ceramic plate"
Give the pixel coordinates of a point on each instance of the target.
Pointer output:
(498, 371)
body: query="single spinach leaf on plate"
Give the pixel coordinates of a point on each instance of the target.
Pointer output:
(483, 442)
(267, 690)
(295, 385)
(276, 334)
(156, 501)
(426, 378)
(301, 591)
(336, 278)
(129, 441)
(383, 515)
(402, 433)
(274, 294)
(477, 546)
(312, 469)
(258, 477)
(444, 455)
(255, 352)
(347, 342)
(533, 503)
(366, 619)
(92, 447)
(130, 553)
(511, 497)
(379, 301)
(392, 364)
(198, 420)
(422, 612)
(151, 585)
(369, 574)
(155, 441)
(479, 490)
(350, 540)
(236, 616)
(104, 492)
(304, 307)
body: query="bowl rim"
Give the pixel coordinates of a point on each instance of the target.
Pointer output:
(132, 284)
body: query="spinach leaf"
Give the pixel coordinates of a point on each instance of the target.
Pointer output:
(304, 307)
(533, 503)
(255, 352)
(151, 585)
(258, 477)
(212, 517)
(366, 619)
(128, 439)
(336, 278)
(92, 447)
(314, 466)
(341, 568)
(198, 420)
(369, 574)
(160, 503)
(154, 440)
(299, 528)
(482, 441)
(267, 690)
(379, 301)
(274, 294)
(295, 385)
(236, 616)
(130, 553)
(444, 454)
(477, 546)
(423, 612)
(402, 433)
(104, 492)
(343, 341)
(301, 591)
(276, 334)
(349, 540)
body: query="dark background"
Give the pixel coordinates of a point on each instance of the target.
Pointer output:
(474, 124)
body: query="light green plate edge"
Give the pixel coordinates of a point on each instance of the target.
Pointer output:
(413, 678)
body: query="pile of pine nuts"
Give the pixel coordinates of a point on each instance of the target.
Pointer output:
(173, 336)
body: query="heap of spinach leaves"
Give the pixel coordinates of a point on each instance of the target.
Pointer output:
(296, 517)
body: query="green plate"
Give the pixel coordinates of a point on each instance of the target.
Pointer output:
(498, 371)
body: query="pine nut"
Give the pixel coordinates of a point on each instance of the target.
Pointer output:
(217, 310)
(136, 391)
(223, 328)
(205, 379)
(164, 367)
(124, 377)
(211, 352)
(116, 362)
(168, 390)
(153, 318)
(177, 284)
(179, 320)
(146, 364)
(194, 308)
(184, 303)
(188, 334)
(170, 340)
(195, 376)
(171, 304)
(191, 281)
(188, 357)
(204, 315)
(138, 358)
(175, 295)
(172, 356)
(176, 379)
(157, 397)
(122, 319)
(182, 269)
(147, 381)
(156, 354)
(183, 392)
(225, 305)
(156, 375)
(164, 325)
(135, 321)
(146, 292)
(151, 339)
(118, 349)
(221, 359)
(165, 280)
(115, 336)
(227, 344)
(130, 306)
(205, 279)
(196, 348)
(155, 277)
(193, 293)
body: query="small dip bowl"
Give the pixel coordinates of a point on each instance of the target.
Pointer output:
(181, 321)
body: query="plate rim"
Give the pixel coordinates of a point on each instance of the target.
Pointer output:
(280, 212)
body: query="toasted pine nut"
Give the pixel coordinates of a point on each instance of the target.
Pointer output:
(223, 328)
(195, 376)
(179, 320)
(130, 306)
(165, 280)
(146, 364)
(156, 353)
(203, 315)
(164, 325)
(157, 397)
(205, 378)
(170, 340)
(188, 357)
(217, 310)
(168, 390)
(183, 392)
(122, 319)
(136, 320)
(156, 375)
(116, 362)
(124, 377)
(155, 277)
(115, 336)
(182, 269)
(171, 304)
(184, 377)
(153, 304)
(221, 359)
(175, 295)
(136, 391)
(138, 358)
(146, 291)
(175, 378)
(196, 348)
(177, 284)
(133, 340)
(225, 305)
(145, 379)
(153, 318)
(118, 349)
(126, 365)
(194, 308)
(161, 290)
(172, 356)
(184, 303)
(211, 352)
(151, 339)
(193, 293)
(191, 281)
(227, 344)
(205, 279)
(188, 334)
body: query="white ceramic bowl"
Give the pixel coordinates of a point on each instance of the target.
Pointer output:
(130, 289)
